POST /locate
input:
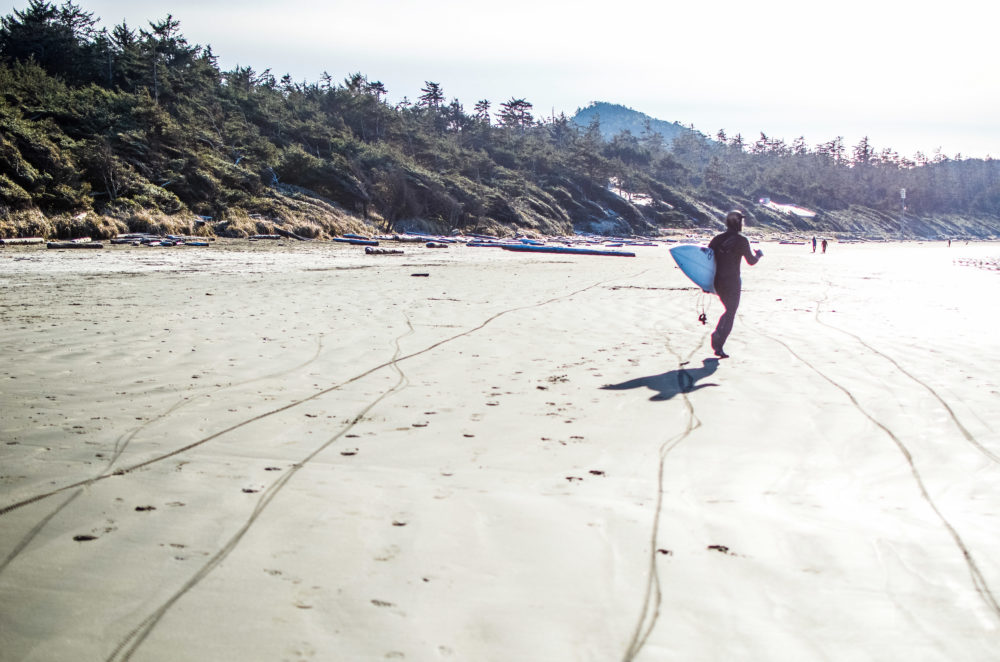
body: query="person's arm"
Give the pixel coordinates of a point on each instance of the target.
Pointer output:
(752, 257)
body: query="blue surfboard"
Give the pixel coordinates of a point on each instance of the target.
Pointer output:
(697, 263)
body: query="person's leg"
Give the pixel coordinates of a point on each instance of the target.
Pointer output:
(730, 297)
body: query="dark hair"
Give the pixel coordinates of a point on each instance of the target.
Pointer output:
(734, 220)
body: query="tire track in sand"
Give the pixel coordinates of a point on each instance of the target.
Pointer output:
(969, 437)
(976, 575)
(121, 443)
(131, 642)
(653, 597)
(236, 426)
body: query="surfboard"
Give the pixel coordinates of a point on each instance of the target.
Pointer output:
(697, 263)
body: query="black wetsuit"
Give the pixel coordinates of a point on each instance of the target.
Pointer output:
(730, 249)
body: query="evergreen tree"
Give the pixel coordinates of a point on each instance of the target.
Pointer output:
(126, 57)
(482, 110)
(863, 152)
(432, 97)
(713, 175)
(515, 113)
(57, 38)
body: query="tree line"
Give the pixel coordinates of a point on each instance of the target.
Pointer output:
(832, 175)
(125, 119)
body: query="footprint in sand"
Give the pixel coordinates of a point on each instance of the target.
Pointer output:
(388, 554)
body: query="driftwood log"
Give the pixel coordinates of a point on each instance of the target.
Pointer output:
(291, 235)
(21, 241)
(71, 244)
(355, 242)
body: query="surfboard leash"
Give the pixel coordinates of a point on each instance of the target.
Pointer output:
(700, 303)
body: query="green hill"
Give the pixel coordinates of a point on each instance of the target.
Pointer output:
(615, 118)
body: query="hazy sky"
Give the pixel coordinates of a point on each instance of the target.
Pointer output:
(908, 77)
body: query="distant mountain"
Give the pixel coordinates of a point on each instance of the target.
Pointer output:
(615, 118)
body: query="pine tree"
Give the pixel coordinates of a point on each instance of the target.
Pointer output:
(482, 110)
(57, 38)
(516, 113)
(432, 97)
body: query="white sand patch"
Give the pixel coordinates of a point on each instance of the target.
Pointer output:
(793, 210)
(641, 199)
(516, 457)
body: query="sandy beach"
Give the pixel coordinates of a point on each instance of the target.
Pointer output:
(302, 452)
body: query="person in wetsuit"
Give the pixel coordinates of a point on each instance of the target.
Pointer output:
(730, 249)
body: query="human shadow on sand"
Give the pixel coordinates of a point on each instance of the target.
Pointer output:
(669, 384)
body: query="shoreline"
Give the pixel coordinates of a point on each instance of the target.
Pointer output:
(935, 227)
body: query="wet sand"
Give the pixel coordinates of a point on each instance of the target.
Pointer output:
(263, 452)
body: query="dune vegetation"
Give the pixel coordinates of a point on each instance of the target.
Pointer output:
(104, 130)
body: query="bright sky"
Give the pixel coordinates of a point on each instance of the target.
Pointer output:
(909, 76)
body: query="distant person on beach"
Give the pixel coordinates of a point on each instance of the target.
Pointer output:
(824, 245)
(730, 249)
(814, 244)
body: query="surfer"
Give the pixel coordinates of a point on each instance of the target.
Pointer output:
(730, 249)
